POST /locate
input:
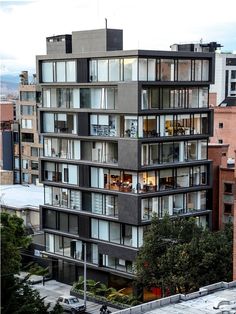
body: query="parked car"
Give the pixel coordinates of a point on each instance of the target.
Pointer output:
(71, 304)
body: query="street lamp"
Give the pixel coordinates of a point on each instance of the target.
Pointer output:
(85, 273)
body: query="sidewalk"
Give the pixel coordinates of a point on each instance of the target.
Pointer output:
(52, 289)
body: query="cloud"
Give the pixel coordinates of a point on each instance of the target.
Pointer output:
(152, 25)
(8, 6)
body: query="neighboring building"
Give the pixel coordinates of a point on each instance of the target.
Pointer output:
(125, 136)
(223, 91)
(6, 147)
(224, 126)
(223, 99)
(24, 201)
(224, 185)
(27, 146)
(234, 239)
(218, 298)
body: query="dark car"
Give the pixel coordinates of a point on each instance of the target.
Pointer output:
(71, 304)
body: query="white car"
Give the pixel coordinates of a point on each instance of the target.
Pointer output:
(71, 304)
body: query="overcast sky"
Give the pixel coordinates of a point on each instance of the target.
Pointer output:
(147, 24)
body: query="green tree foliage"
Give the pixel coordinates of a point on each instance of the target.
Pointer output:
(24, 300)
(180, 256)
(35, 269)
(17, 297)
(98, 289)
(13, 238)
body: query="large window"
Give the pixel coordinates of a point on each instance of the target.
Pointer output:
(167, 70)
(105, 152)
(116, 263)
(175, 204)
(112, 179)
(175, 98)
(148, 69)
(60, 221)
(70, 247)
(59, 123)
(114, 70)
(63, 173)
(62, 197)
(61, 148)
(58, 71)
(149, 181)
(184, 70)
(104, 125)
(96, 98)
(117, 233)
(100, 204)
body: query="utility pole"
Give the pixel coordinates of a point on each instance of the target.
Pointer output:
(85, 274)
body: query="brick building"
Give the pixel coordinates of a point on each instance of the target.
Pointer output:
(6, 149)
(224, 126)
(224, 187)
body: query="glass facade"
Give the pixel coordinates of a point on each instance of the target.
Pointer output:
(174, 98)
(171, 152)
(125, 138)
(94, 98)
(114, 232)
(148, 69)
(174, 204)
(148, 181)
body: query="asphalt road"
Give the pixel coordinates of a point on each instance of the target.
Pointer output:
(52, 289)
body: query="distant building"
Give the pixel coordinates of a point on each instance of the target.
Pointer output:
(223, 91)
(27, 145)
(6, 146)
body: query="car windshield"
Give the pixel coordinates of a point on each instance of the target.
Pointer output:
(73, 300)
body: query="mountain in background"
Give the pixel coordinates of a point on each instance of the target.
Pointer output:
(9, 84)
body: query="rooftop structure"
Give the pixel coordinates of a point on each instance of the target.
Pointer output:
(24, 201)
(219, 298)
(21, 196)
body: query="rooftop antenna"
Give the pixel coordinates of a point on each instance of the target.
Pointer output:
(105, 23)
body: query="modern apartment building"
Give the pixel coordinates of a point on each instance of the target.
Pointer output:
(223, 91)
(125, 136)
(27, 146)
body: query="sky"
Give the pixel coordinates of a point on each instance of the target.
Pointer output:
(149, 24)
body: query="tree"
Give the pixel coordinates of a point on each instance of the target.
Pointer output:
(16, 295)
(180, 256)
(13, 238)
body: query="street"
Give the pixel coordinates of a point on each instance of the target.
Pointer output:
(52, 289)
